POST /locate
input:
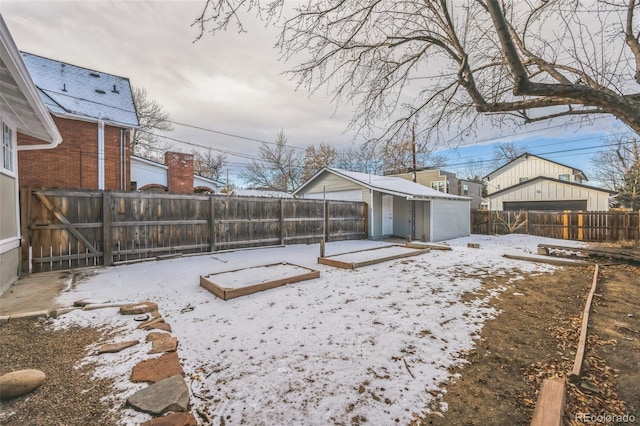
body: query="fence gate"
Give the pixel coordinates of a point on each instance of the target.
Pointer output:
(61, 229)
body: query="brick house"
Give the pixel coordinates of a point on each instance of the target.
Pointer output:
(95, 113)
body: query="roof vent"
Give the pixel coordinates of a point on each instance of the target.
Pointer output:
(102, 92)
(115, 90)
(64, 87)
(94, 74)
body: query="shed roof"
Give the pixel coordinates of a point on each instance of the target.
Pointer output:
(387, 184)
(76, 92)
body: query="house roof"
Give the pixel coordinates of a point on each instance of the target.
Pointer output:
(526, 155)
(387, 184)
(82, 93)
(544, 178)
(19, 98)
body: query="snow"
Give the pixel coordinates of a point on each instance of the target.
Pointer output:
(255, 275)
(316, 352)
(69, 89)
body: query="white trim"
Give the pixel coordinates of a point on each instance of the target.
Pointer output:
(9, 244)
(101, 162)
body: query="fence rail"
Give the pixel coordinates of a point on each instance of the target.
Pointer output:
(569, 225)
(66, 229)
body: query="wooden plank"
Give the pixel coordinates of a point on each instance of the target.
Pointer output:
(58, 214)
(582, 341)
(388, 258)
(281, 219)
(161, 222)
(40, 226)
(548, 259)
(549, 409)
(65, 257)
(336, 263)
(331, 261)
(432, 246)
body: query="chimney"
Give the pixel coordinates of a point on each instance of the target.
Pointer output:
(180, 173)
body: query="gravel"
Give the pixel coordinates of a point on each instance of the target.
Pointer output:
(70, 395)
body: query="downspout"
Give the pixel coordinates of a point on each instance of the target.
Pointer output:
(122, 157)
(100, 154)
(371, 213)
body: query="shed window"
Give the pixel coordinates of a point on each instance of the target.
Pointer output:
(565, 177)
(523, 179)
(7, 148)
(465, 189)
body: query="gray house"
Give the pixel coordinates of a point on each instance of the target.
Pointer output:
(392, 204)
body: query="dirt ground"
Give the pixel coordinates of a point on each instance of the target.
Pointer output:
(533, 337)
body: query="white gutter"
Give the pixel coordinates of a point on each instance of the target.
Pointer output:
(101, 164)
(17, 68)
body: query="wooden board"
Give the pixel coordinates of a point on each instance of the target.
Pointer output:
(582, 341)
(550, 404)
(219, 284)
(432, 246)
(548, 259)
(376, 255)
(625, 254)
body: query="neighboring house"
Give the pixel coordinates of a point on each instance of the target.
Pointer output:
(446, 182)
(260, 193)
(95, 113)
(22, 112)
(530, 182)
(175, 176)
(438, 216)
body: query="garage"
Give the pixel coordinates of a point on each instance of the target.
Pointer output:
(554, 205)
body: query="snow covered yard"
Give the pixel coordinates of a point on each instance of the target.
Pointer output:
(351, 345)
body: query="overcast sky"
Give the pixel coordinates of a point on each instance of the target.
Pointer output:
(231, 83)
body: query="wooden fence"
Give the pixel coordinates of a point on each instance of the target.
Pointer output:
(568, 225)
(65, 229)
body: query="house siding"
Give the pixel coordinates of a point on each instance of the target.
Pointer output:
(8, 218)
(530, 168)
(74, 163)
(9, 268)
(550, 190)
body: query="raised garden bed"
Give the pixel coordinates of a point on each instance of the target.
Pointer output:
(241, 282)
(357, 259)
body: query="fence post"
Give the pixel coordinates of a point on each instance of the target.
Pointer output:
(107, 249)
(326, 221)
(580, 226)
(212, 224)
(281, 221)
(526, 222)
(489, 222)
(565, 225)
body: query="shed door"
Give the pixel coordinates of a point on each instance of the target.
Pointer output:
(387, 214)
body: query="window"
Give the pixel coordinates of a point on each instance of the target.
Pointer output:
(438, 186)
(465, 189)
(565, 178)
(524, 179)
(7, 148)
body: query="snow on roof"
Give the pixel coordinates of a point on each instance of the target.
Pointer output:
(394, 184)
(261, 193)
(82, 93)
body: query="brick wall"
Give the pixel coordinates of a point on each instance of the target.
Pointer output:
(74, 163)
(180, 173)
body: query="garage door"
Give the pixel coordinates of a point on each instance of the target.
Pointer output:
(557, 205)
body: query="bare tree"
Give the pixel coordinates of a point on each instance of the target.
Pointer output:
(317, 158)
(504, 152)
(145, 142)
(279, 168)
(618, 168)
(362, 158)
(450, 65)
(208, 164)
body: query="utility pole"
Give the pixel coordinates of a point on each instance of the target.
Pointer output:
(415, 179)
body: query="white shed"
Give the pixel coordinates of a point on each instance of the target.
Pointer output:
(392, 204)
